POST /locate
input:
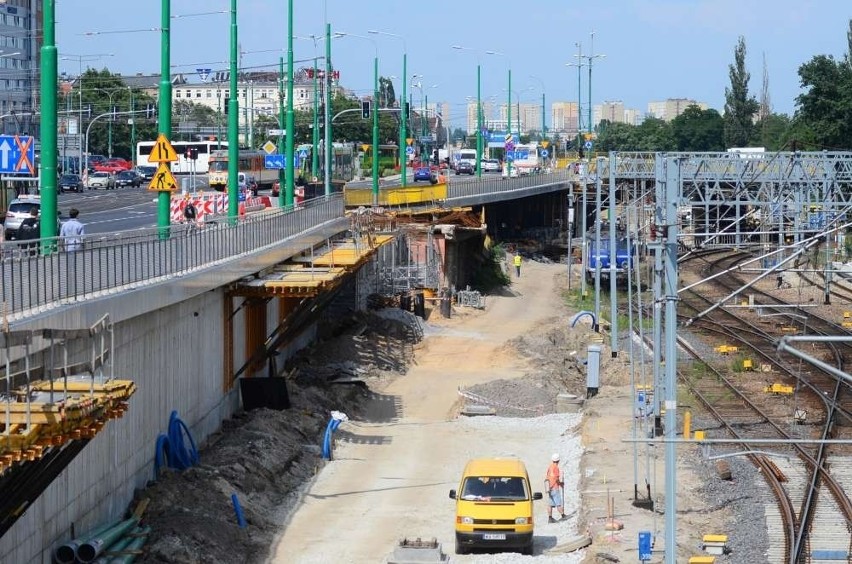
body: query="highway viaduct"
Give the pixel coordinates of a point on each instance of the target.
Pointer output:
(187, 315)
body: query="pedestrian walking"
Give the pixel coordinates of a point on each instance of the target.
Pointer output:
(189, 212)
(30, 230)
(555, 489)
(518, 264)
(72, 231)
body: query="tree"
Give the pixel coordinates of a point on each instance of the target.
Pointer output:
(825, 108)
(698, 130)
(739, 106)
(616, 137)
(654, 134)
(772, 132)
(387, 95)
(99, 90)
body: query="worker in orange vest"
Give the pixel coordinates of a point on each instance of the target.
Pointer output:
(554, 485)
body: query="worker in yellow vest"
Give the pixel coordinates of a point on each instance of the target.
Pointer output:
(518, 264)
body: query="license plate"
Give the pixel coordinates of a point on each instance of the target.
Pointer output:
(494, 536)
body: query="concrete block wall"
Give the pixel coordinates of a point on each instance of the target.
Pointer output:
(175, 357)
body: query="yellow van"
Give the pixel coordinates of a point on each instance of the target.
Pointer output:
(494, 506)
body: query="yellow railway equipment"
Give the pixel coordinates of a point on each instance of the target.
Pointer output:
(779, 389)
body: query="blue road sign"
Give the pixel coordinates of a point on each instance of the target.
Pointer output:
(303, 154)
(276, 160)
(544, 153)
(409, 150)
(644, 546)
(588, 145)
(17, 154)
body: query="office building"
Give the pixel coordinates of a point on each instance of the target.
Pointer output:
(20, 42)
(671, 108)
(564, 117)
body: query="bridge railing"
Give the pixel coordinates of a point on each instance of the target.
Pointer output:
(490, 184)
(114, 262)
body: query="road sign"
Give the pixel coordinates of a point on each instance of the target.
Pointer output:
(277, 132)
(644, 546)
(544, 153)
(17, 154)
(269, 147)
(409, 150)
(544, 144)
(274, 161)
(163, 180)
(69, 142)
(303, 154)
(426, 139)
(162, 152)
(364, 147)
(588, 145)
(279, 161)
(409, 140)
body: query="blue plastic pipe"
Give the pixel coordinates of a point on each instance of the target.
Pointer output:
(238, 509)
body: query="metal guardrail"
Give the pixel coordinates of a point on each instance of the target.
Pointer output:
(112, 263)
(489, 184)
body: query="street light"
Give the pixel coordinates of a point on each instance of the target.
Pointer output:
(375, 112)
(80, 59)
(109, 123)
(579, 64)
(403, 132)
(589, 60)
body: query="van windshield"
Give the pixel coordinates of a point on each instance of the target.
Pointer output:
(493, 488)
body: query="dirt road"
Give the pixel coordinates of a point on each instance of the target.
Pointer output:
(393, 469)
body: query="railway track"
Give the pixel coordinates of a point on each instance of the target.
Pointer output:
(804, 522)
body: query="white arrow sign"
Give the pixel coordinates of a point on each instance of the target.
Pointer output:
(4, 149)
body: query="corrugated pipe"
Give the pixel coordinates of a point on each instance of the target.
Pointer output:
(93, 547)
(67, 553)
(136, 542)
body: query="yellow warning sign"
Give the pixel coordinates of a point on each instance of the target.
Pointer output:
(163, 180)
(544, 144)
(364, 147)
(409, 140)
(162, 151)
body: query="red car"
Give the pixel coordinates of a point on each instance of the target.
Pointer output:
(109, 166)
(123, 163)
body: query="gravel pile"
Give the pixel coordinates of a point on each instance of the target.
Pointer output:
(748, 540)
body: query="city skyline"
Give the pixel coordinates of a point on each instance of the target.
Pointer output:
(654, 49)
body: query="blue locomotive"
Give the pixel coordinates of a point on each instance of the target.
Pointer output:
(625, 254)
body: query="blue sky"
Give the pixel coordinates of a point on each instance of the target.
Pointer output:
(655, 49)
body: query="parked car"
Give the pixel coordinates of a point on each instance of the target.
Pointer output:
(101, 179)
(464, 167)
(147, 172)
(123, 163)
(19, 209)
(128, 178)
(425, 173)
(70, 183)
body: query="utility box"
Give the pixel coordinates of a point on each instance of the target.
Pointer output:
(593, 370)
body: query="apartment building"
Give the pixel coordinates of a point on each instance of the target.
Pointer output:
(669, 109)
(20, 42)
(487, 114)
(564, 117)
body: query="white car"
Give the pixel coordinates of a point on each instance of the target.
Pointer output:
(490, 165)
(100, 179)
(505, 173)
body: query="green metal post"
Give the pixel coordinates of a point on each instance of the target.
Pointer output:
(509, 123)
(543, 124)
(478, 121)
(291, 129)
(233, 125)
(327, 79)
(219, 118)
(579, 100)
(48, 132)
(591, 128)
(282, 199)
(132, 129)
(109, 128)
(376, 131)
(165, 110)
(315, 131)
(403, 134)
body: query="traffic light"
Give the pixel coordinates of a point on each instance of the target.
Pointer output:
(406, 110)
(191, 153)
(365, 109)
(227, 104)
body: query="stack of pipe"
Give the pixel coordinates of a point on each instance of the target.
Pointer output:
(117, 542)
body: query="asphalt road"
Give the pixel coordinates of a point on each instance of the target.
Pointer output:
(122, 209)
